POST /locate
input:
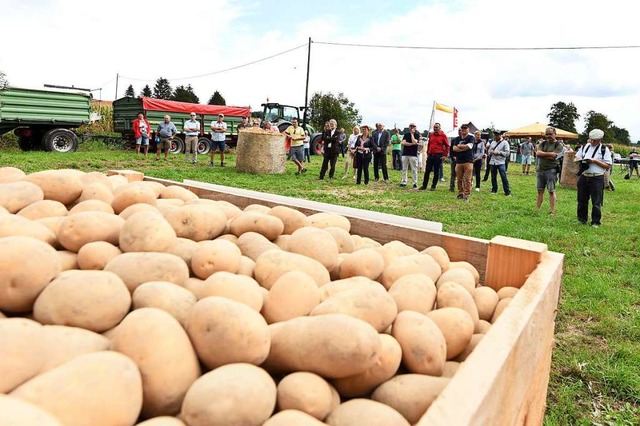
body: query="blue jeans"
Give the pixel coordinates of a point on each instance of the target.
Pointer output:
(495, 168)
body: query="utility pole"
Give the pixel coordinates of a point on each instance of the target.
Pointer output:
(306, 90)
(117, 76)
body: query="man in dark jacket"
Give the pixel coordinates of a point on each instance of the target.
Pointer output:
(330, 140)
(381, 141)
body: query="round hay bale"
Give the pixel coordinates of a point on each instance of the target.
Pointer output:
(260, 151)
(569, 178)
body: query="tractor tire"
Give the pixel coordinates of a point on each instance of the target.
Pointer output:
(317, 146)
(60, 140)
(177, 146)
(204, 146)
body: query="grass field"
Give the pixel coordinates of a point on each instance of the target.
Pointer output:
(595, 378)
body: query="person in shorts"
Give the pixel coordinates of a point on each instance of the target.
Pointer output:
(141, 129)
(526, 150)
(218, 137)
(166, 131)
(296, 135)
(546, 172)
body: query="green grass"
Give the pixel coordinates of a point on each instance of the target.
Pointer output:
(595, 378)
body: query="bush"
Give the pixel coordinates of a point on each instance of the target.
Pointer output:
(8, 141)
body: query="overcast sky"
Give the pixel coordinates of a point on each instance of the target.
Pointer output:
(68, 42)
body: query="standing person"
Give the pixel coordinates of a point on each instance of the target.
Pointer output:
(218, 137)
(331, 149)
(410, 155)
(351, 151)
(634, 157)
(437, 151)
(596, 159)
(381, 140)
(452, 160)
(306, 144)
(342, 138)
(166, 131)
(547, 169)
(462, 147)
(526, 149)
(499, 151)
(141, 129)
(191, 132)
(478, 157)
(364, 149)
(396, 150)
(487, 169)
(244, 124)
(508, 159)
(296, 134)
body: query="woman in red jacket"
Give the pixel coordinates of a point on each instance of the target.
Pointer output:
(141, 130)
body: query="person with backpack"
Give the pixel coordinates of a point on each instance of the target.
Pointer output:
(547, 153)
(595, 159)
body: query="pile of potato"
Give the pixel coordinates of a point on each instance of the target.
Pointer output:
(126, 302)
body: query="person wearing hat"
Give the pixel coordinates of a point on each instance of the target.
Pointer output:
(595, 159)
(547, 153)
(244, 124)
(218, 130)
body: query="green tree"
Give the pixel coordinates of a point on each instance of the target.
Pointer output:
(620, 135)
(4, 83)
(563, 116)
(162, 89)
(146, 91)
(325, 106)
(129, 93)
(597, 120)
(185, 94)
(217, 99)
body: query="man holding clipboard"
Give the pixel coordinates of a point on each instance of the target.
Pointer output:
(295, 134)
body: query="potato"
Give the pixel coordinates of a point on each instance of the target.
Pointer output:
(53, 224)
(146, 231)
(500, 307)
(451, 368)
(164, 204)
(385, 368)
(91, 178)
(334, 287)
(92, 206)
(11, 174)
(475, 339)
(184, 249)
(175, 300)
(332, 346)
(196, 222)
(62, 343)
(366, 263)
(456, 326)
(306, 392)
(93, 300)
(128, 195)
(162, 421)
(369, 303)
(99, 389)
(469, 267)
(283, 242)
(229, 237)
(257, 208)
(410, 394)
(424, 348)
(454, 295)
(247, 266)
(224, 331)
(461, 276)
(364, 242)
(440, 255)
(232, 395)
(175, 191)
(86, 227)
(12, 225)
(239, 288)
(215, 256)
(194, 285)
(365, 412)
(292, 417)
(272, 264)
(413, 264)
(294, 294)
(161, 349)
(44, 208)
(96, 191)
(138, 208)
(506, 292)
(486, 300)
(15, 196)
(231, 210)
(22, 352)
(326, 220)
(291, 218)
(68, 260)
(401, 248)
(315, 243)
(96, 255)
(16, 412)
(483, 327)
(269, 226)
(27, 265)
(414, 292)
(389, 253)
(59, 185)
(252, 245)
(137, 268)
(343, 239)
(117, 181)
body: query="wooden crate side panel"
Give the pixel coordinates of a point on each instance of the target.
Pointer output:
(510, 261)
(504, 381)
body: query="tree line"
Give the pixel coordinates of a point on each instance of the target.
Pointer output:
(163, 90)
(564, 116)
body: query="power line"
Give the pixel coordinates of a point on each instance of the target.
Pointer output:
(223, 70)
(383, 46)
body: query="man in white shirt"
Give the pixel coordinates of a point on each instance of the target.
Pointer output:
(191, 132)
(595, 159)
(218, 130)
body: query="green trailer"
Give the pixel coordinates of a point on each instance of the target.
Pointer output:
(43, 119)
(125, 110)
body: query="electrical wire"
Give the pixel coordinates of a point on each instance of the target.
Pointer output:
(383, 46)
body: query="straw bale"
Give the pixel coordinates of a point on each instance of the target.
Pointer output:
(260, 152)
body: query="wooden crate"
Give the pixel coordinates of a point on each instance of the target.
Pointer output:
(504, 381)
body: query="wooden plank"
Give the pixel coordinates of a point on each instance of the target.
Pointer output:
(131, 175)
(510, 261)
(504, 381)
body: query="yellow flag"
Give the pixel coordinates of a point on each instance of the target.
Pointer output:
(444, 108)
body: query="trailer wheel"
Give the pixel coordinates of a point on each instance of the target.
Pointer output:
(317, 146)
(60, 140)
(177, 146)
(204, 146)
(25, 143)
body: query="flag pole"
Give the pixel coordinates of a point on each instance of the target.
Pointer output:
(433, 113)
